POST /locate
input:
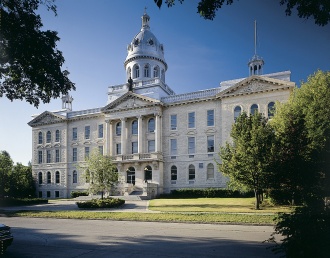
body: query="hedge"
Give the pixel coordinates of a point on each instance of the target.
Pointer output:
(101, 203)
(21, 201)
(75, 194)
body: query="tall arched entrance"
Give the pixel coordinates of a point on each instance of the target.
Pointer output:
(130, 175)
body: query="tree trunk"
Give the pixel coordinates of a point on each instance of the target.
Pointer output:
(257, 201)
(101, 195)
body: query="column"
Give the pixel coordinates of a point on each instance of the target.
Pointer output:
(107, 137)
(123, 136)
(110, 152)
(140, 135)
(158, 131)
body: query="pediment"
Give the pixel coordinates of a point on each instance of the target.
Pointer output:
(255, 84)
(130, 100)
(46, 118)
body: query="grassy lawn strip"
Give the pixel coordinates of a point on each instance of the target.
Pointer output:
(164, 217)
(240, 205)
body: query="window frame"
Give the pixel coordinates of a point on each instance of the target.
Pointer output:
(271, 113)
(174, 173)
(87, 132)
(236, 112)
(118, 148)
(191, 145)
(135, 147)
(210, 147)
(57, 155)
(209, 175)
(40, 138)
(151, 125)
(135, 127)
(74, 177)
(48, 156)
(40, 157)
(100, 131)
(118, 129)
(191, 172)
(57, 177)
(40, 178)
(173, 122)
(48, 137)
(49, 177)
(87, 151)
(210, 117)
(74, 154)
(57, 136)
(173, 147)
(151, 146)
(74, 133)
(254, 107)
(191, 120)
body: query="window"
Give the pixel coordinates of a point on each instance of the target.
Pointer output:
(134, 147)
(156, 71)
(57, 194)
(237, 112)
(74, 134)
(118, 129)
(136, 71)
(147, 173)
(191, 172)
(40, 178)
(48, 154)
(87, 132)
(146, 71)
(253, 109)
(210, 117)
(173, 147)
(210, 143)
(40, 157)
(173, 122)
(151, 146)
(40, 138)
(191, 120)
(48, 137)
(210, 171)
(174, 173)
(135, 127)
(49, 178)
(191, 145)
(57, 135)
(57, 155)
(86, 152)
(101, 150)
(74, 154)
(118, 148)
(100, 131)
(57, 177)
(130, 175)
(151, 125)
(271, 109)
(74, 177)
(48, 194)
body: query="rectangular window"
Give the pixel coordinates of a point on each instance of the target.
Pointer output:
(134, 147)
(210, 143)
(57, 136)
(101, 131)
(87, 132)
(74, 134)
(57, 194)
(210, 117)
(101, 150)
(191, 145)
(173, 147)
(74, 154)
(173, 122)
(86, 152)
(151, 146)
(57, 155)
(40, 157)
(191, 120)
(118, 148)
(48, 156)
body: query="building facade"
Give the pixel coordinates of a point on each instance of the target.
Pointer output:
(159, 140)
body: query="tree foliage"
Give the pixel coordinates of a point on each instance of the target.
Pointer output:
(247, 160)
(30, 63)
(319, 10)
(101, 173)
(6, 166)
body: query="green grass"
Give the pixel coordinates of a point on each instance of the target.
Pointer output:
(229, 205)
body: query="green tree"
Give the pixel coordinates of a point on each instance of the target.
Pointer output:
(319, 10)
(247, 160)
(22, 182)
(30, 63)
(100, 172)
(6, 166)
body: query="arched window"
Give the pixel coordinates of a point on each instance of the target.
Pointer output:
(271, 109)
(129, 72)
(131, 175)
(156, 71)
(174, 173)
(191, 172)
(147, 173)
(40, 138)
(135, 127)
(151, 125)
(237, 112)
(253, 109)
(210, 171)
(49, 178)
(146, 71)
(118, 129)
(48, 137)
(136, 71)
(40, 178)
(74, 177)
(57, 136)
(57, 177)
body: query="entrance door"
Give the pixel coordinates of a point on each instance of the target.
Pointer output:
(131, 175)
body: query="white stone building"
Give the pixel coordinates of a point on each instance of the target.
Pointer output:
(159, 140)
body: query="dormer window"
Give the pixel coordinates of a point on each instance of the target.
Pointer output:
(136, 42)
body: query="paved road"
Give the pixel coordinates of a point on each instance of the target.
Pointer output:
(37, 237)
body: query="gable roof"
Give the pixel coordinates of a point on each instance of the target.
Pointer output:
(46, 118)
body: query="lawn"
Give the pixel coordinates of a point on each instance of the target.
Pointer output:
(226, 205)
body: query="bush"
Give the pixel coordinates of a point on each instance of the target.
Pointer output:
(101, 203)
(206, 193)
(21, 201)
(75, 194)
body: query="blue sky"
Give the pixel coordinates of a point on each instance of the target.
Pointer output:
(199, 53)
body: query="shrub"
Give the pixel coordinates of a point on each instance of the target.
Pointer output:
(75, 194)
(101, 203)
(21, 201)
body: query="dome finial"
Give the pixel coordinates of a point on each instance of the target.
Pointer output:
(256, 63)
(145, 20)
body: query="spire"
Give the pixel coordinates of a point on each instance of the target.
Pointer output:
(145, 20)
(256, 63)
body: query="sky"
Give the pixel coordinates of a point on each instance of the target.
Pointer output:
(199, 53)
